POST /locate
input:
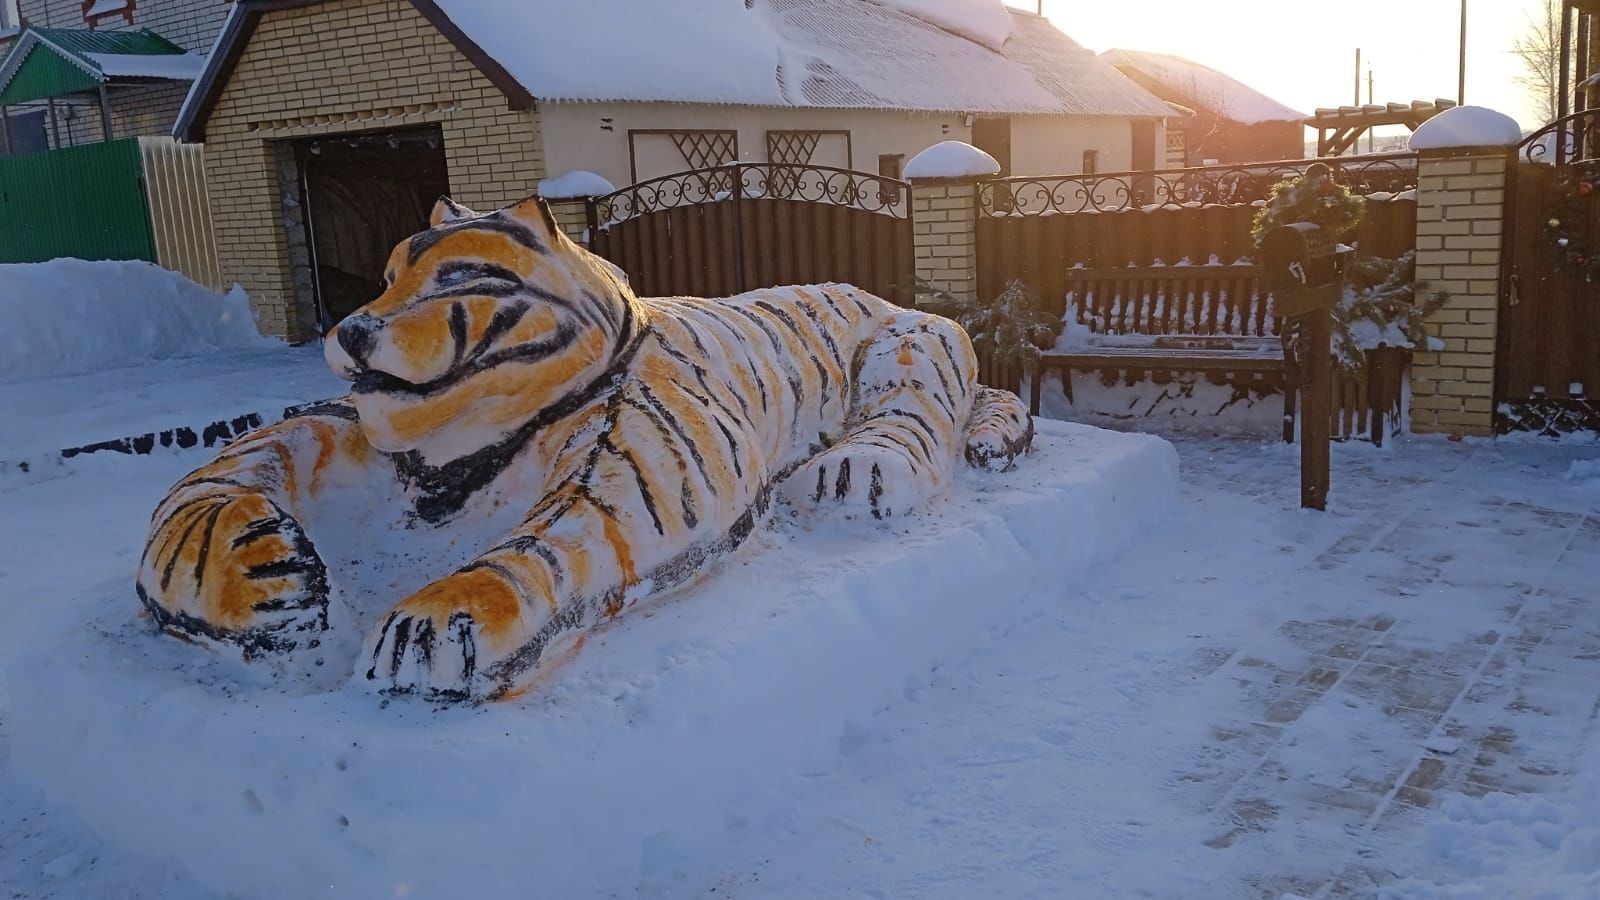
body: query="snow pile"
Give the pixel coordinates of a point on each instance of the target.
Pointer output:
(678, 729)
(1585, 475)
(951, 159)
(1205, 87)
(1501, 845)
(987, 22)
(1466, 126)
(68, 316)
(579, 184)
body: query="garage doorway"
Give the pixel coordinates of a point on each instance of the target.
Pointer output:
(361, 194)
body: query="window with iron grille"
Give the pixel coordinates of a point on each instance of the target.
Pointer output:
(705, 149)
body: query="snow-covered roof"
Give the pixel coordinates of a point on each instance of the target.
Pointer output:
(177, 67)
(808, 53)
(1193, 84)
(837, 54)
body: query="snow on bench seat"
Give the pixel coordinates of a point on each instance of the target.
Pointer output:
(673, 727)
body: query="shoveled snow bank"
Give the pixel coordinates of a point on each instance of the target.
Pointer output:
(67, 316)
(677, 730)
(1466, 126)
(987, 22)
(1504, 845)
(951, 159)
(579, 184)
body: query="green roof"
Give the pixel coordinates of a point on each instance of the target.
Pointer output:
(53, 62)
(79, 41)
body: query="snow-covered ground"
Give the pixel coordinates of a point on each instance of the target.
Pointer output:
(1250, 701)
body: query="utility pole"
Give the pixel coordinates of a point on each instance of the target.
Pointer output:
(1461, 71)
(1358, 77)
(1369, 103)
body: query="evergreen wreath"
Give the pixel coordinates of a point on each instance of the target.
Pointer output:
(1312, 197)
(1567, 228)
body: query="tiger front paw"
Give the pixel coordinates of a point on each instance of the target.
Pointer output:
(454, 640)
(235, 569)
(860, 480)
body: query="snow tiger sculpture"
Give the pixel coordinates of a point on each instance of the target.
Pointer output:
(644, 438)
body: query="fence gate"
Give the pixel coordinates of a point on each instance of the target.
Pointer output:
(88, 202)
(720, 231)
(1548, 372)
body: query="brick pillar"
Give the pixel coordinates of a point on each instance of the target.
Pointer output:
(572, 216)
(944, 233)
(1460, 216)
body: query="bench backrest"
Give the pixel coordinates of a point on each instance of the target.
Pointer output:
(1205, 300)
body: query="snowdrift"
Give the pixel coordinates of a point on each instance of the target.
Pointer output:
(68, 316)
(677, 728)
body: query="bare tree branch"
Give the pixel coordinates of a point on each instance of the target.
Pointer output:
(1539, 49)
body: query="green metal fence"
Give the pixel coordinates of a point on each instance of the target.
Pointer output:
(87, 202)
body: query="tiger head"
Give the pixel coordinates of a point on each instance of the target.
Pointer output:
(485, 321)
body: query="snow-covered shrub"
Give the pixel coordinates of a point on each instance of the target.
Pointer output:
(1010, 329)
(1383, 305)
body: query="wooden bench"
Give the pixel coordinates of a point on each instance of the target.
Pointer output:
(1212, 319)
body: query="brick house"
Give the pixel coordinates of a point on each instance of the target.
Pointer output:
(141, 100)
(1221, 119)
(330, 127)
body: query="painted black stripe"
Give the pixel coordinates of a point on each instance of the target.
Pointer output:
(205, 547)
(458, 333)
(518, 232)
(681, 432)
(172, 562)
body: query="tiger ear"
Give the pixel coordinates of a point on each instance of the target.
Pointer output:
(447, 211)
(535, 213)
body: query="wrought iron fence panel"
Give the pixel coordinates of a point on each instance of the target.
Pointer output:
(1206, 185)
(758, 181)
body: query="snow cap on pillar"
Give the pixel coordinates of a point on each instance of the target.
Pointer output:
(951, 159)
(1467, 126)
(578, 184)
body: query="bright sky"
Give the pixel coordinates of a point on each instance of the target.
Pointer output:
(1303, 54)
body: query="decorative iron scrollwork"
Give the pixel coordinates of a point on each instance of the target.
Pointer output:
(1228, 185)
(765, 181)
(1570, 139)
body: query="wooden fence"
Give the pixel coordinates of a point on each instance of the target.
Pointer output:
(1041, 250)
(180, 211)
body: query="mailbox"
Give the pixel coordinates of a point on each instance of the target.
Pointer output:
(1304, 267)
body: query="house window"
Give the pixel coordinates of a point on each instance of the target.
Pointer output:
(1091, 162)
(100, 12)
(657, 152)
(809, 148)
(9, 18)
(890, 165)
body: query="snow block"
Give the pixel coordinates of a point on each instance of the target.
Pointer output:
(676, 727)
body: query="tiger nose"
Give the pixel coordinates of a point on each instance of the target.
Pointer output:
(355, 337)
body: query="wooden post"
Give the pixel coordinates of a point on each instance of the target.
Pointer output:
(1316, 396)
(55, 123)
(105, 114)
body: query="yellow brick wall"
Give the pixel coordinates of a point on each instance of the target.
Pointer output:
(1460, 215)
(944, 232)
(353, 65)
